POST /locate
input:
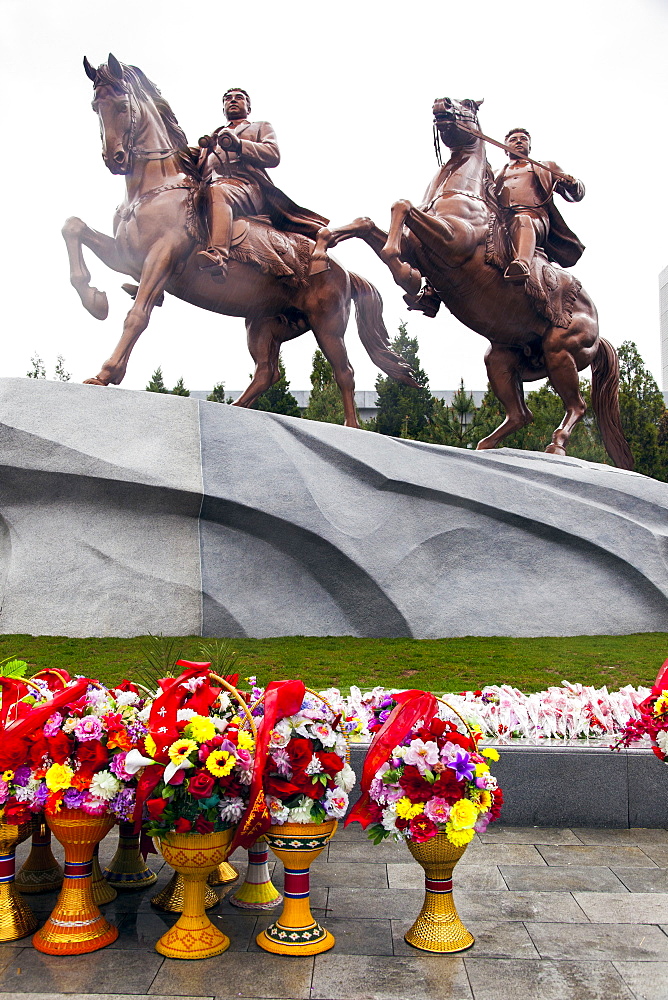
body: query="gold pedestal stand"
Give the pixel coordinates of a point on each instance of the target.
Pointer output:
(40, 871)
(16, 918)
(127, 870)
(438, 927)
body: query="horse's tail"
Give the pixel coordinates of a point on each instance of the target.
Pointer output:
(372, 332)
(605, 401)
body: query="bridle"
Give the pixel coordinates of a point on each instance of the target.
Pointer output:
(132, 150)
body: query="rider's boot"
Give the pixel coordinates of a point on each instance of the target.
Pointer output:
(216, 256)
(426, 301)
(523, 236)
(214, 259)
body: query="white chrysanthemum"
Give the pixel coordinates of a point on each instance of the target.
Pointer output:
(278, 812)
(68, 725)
(124, 698)
(341, 746)
(244, 777)
(223, 702)
(314, 766)
(346, 778)
(335, 803)
(185, 714)
(231, 810)
(389, 820)
(323, 731)
(662, 741)
(104, 785)
(26, 793)
(301, 813)
(143, 716)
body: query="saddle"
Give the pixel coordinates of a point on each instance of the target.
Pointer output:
(552, 290)
(283, 255)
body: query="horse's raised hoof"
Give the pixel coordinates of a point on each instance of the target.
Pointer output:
(94, 381)
(95, 302)
(555, 449)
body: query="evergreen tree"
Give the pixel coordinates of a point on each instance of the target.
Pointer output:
(180, 389)
(404, 411)
(217, 394)
(38, 370)
(278, 398)
(325, 403)
(452, 424)
(60, 373)
(157, 383)
(642, 409)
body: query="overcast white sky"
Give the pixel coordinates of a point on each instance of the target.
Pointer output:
(348, 88)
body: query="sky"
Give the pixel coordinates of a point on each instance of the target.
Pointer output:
(349, 89)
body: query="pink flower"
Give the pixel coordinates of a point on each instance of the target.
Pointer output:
(422, 755)
(437, 810)
(282, 761)
(53, 724)
(92, 805)
(88, 728)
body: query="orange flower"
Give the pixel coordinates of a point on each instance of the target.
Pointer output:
(119, 739)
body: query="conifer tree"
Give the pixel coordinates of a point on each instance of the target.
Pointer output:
(217, 394)
(642, 409)
(278, 398)
(60, 373)
(325, 403)
(157, 383)
(180, 389)
(38, 370)
(404, 411)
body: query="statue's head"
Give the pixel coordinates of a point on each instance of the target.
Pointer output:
(519, 140)
(451, 115)
(236, 104)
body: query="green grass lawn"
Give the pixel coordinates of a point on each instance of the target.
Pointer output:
(436, 665)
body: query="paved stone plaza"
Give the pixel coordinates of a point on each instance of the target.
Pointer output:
(557, 914)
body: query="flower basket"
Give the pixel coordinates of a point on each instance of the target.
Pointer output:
(76, 925)
(194, 788)
(429, 785)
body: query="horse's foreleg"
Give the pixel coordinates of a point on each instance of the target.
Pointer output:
(264, 338)
(77, 235)
(405, 276)
(504, 371)
(156, 271)
(364, 228)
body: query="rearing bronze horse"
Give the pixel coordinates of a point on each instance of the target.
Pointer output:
(445, 241)
(156, 239)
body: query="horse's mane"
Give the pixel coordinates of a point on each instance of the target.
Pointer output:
(145, 90)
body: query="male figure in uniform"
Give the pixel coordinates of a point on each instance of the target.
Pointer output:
(525, 192)
(233, 161)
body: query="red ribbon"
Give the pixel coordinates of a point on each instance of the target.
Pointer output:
(661, 682)
(39, 715)
(411, 706)
(281, 698)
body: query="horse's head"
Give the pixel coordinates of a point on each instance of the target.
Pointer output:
(452, 117)
(117, 110)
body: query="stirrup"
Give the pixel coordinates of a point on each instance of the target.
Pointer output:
(213, 257)
(517, 272)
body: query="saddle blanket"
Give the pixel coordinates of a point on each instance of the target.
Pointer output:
(284, 255)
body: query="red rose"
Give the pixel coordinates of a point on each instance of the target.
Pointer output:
(13, 752)
(401, 824)
(422, 828)
(201, 785)
(37, 750)
(300, 752)
(203, 825)
(60, 747)
(414, 785)
(279, 787)
(331, 762)
(16, 812)
(374, 812)
(183, 825)
(658, 752)
(113, 721)
(156, 807)
(92, 757)
(447, 787)
(437, 727)
(495, 811)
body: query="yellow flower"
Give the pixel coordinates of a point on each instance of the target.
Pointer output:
(485, 801)
(406, 809)
(7, 775)
(661, 703)
(481, 769)
(59, 776)
(458, 838)
(180, 750)
(200, 728)
(220, 763)
(235, 721)
(245, 741)
(149, 743)
(491, 753)
(462, 815)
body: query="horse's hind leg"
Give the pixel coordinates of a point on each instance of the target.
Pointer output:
(562, 372)
(504, 367)
(264, 337)
(77, 235)
(329, 323)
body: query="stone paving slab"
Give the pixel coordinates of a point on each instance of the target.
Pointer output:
(552, 920)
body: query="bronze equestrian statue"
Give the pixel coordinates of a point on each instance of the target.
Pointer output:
(158, 236)
(541, 323)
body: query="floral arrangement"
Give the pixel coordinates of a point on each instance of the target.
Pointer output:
(68, 750)
(653, 719)
(306, 776)
(570, 711)
(435, 781)
(196, 759)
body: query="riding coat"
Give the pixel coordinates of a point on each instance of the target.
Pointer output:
(251, 191)
(561, 244)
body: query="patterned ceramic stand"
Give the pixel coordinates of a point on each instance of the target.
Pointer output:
(224, 874)
(76, 925)
(438, 927)
(40, 871)
(194, 856)
(258, 891)
(127, 870)
(295, 932)
(16, 917)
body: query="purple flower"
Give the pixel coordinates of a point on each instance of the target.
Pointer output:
(41, 795)
(22, 775)
(117, 767)
(462, 766)
(53, 724)
(123, 804)
(136, 731)
(72, 798)
(282, 761)
(384, 716)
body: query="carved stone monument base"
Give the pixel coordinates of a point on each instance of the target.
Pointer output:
(123, 513)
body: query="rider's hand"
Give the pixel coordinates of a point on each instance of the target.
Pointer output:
(229, 140)
(568, 179)
(204, 142)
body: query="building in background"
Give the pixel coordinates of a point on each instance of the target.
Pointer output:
(663, 299)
